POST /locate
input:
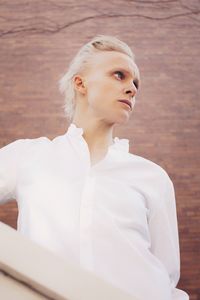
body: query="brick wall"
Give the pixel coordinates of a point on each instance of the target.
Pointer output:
(38, 39)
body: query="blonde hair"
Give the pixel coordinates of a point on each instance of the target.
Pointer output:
(82, 58)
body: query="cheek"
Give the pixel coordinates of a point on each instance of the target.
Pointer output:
(104, 87)
(99, 91)
(94, 93)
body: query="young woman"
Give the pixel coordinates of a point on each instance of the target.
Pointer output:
(84, 196)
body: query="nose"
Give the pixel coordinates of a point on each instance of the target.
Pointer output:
(131, 90)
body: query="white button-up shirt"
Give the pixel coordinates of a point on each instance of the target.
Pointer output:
(116, 218)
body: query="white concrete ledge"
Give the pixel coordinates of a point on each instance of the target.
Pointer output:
(11, 289)
(44, 275)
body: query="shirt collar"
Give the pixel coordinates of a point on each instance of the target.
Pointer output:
(119, 144)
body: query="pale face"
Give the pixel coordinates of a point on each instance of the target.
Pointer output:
(111, 76)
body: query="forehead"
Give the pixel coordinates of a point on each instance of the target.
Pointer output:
(107, 60)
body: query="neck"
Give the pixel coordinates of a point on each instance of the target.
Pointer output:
(97, 134)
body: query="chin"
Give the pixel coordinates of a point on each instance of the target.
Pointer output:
(121, 119)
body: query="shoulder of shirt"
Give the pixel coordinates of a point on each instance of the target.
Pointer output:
(151, 167)
(38, 143)
(154, 180)
(42, 140)
(25, 144)
(30, 141)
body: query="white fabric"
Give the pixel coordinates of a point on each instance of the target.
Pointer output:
(116, 218)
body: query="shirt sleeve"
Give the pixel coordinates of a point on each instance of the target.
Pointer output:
(163, 229)
(11, 157)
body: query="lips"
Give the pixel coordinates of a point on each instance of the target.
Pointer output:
(127, 102)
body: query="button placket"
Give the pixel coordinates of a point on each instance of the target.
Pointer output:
(86, 219)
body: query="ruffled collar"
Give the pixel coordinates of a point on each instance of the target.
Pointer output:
(120, 144)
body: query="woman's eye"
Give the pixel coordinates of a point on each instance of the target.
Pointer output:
(120, 74)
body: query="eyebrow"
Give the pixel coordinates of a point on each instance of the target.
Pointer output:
(136, 80)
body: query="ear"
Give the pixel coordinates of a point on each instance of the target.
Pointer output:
(79, 84)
